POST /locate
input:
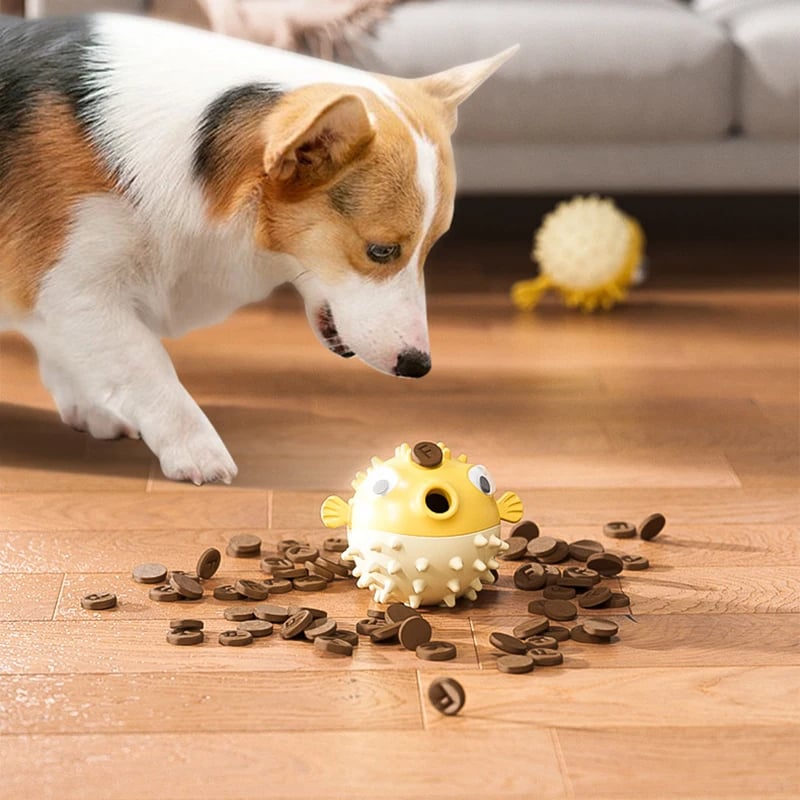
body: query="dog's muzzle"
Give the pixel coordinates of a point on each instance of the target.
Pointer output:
(330, 335)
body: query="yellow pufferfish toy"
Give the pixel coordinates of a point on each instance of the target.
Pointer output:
(422, 527)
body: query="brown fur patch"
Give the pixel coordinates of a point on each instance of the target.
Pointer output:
(50, 167)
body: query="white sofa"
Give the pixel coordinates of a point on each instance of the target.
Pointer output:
(605, 95)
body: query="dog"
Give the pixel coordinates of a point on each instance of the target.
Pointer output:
(154, 178)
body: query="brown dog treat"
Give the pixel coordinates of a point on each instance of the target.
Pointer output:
(186, 624)
(530, 577)
(335, 544)
(316, 570)
(652, 526)
(269, 563)
(552, 574)
(278, 585)
(561, 553)
(595, 597)
(252, 590)
(376, 613)
(333, 645)
(515, 665)
(332, 566)
(316, 613)
(527, 529)
(517, 548)
(619, 530)
(560, 610)
(351, 637)
(300, 553)
(536, 607)
(257, 628)
(386, 633)
(310, 583)
(244, 545)
(285, 544)
(227, 592)
(414, 631)
(558, 632)
(163, 594)
(618, 600)
(235, 638)
(544, 657)
(542, 546)
(149, 573)
(208, 563)
(99, 601)
(635, 562)
(320, 627)
(547, 642)
(607, 564)
(289, 573)
(183, 637)
(447, 696)
(583, 548)
(239, 613)
(507, 643)
(271, 613)
(558, 593)
(427, 454)
(579, 634)
(532, 627)
(437, 651)
(366, 626)
(579, 577)
(297, 624)
(598, 626)
(397, 612)
(185, 586)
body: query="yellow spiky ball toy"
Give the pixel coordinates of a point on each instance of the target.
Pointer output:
(423, 528)
(587, 250)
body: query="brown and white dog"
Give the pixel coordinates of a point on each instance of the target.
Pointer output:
(154, 178)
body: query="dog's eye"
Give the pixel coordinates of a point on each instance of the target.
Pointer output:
(481, 479)
(383, 253)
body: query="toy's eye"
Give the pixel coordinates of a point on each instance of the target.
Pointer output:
(481, 479)
(383, 253)
(383, 481)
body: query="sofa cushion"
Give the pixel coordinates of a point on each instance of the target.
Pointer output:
(767, 33)
(588, 70)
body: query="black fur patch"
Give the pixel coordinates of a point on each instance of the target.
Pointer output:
(252, 98)
(44, 57)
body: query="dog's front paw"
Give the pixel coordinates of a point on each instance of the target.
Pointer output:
(201, 458)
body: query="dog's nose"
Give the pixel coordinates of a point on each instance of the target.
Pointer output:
(412, 364)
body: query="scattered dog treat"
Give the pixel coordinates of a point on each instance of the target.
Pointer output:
(289, 573)
(560, 610)
(351, 637)
(397, 612)
(595, 597)
(338, 569)
(315, 569)
(536, 607)
(253, 590)
(598, 626)
(583, 548)
(545, 657)
(385, 633)
(239, 613)
(437, 651)
(558, 632)
(527, 529)
(561, 553)
(619, 530)
(447, 696)
(227, 592)
(99, 601)
(208, 563)
(365, 627)
(186, 624)
(508, 644)
(579, 577)
(427, 454)
(301, 553)
(235, 638)
(376, 613)
(285, 544)
(150, 573)
(244, 545)
(310, 583)
(296, 624)
(257, 628)
(607, 564)
(316, 613)
(515, 665)
(618, 600)
(517, 548)
(271, 613)
(335, 544)
(185, 637)
(333, 645)
(558, 593)
(532, 627)
(634, 562)
(164, 594)
(320, 627)
(538, 642)
(542, 546)
(530, 577)
(185, 586)
(414, 631)
(652, 526)
(579, 634)
(278, 585)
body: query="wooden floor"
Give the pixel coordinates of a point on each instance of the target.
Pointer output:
(683, 402)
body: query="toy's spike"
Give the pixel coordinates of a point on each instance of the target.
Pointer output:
(476, 584)
(456, 564)
(471, 594)
(414, 600)
(449, 600)
(495, 542)
(376, 547)
(422, 564)
(381, 596)
(356, 573)
(487, 577)
(372, 566)
(492, 563)
(480, 540)
(446, 454)
(462, 458)
(351, 554)
(454, 585)
(375, 461)
(393, 567)
(403, 450)
(510, 507)
(360, 477)
(364, 581)
(419, 585)
(396, 543)
(335, 512)
(389, 585)
(478, 565)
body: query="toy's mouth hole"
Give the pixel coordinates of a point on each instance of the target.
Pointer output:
(437, 501)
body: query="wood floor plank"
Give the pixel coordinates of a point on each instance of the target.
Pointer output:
(728, 763)
(29, 596)
(672, 640)
(608, 699)
(310, 764)
(237, 702)
(131, 510)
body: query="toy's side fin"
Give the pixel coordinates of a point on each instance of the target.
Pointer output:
(335, 512)
(510, 507)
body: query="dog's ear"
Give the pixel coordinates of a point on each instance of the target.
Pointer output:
(312, 134)
(453, 86)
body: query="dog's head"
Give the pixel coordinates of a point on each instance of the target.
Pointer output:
(359, 185)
